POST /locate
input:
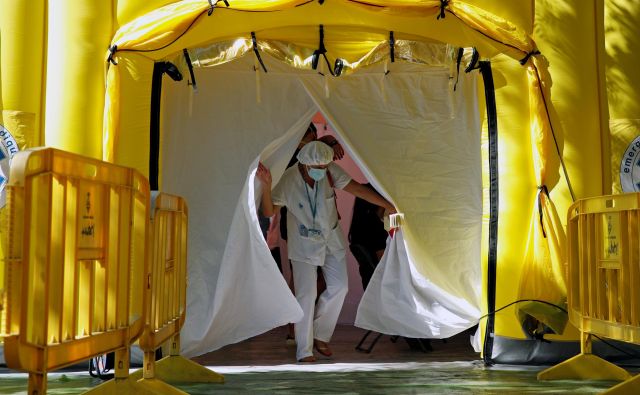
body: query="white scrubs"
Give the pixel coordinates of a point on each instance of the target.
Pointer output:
(314, 240)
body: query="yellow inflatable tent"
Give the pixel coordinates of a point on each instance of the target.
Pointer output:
(550, 144)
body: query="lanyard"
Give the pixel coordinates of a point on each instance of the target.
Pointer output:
(313, 206)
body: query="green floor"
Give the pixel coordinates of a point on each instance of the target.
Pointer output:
(391, 378)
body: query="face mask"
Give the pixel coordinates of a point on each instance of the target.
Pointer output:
(317, 174)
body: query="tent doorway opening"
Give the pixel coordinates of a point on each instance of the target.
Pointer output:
(415, 138)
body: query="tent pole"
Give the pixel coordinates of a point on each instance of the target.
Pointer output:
(492, 130)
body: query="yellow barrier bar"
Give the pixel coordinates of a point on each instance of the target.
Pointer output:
(76, 265)
(167, 301)
(603, 284)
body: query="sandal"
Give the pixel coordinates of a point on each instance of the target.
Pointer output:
(322, 348)
(310, 358)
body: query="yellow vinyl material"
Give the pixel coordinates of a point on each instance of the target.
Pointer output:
(79, 32)
(53, 55)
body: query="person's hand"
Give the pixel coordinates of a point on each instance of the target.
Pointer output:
(264, 175)
(392, 210)
(338, 151)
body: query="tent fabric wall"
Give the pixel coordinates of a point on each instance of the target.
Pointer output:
(235, 291)
(78, 33)
(622, 47)
(466, 25)
(413, 135)
(564, 32)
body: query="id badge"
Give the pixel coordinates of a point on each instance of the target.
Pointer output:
(313, 234)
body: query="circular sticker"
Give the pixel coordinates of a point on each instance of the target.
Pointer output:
(8, 148)
(630, 167)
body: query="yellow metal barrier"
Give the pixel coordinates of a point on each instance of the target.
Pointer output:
(603, 285)
(168, 301)
(76, 264)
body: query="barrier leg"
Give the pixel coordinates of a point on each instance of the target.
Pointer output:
(37, 384)
(628, 387)
(151, 382)
(585, 366)
(178, 369)
(121, 384)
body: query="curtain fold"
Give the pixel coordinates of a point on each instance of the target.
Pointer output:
(210, 155)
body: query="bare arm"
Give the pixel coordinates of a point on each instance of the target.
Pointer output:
(370, 195)
(267, 207)
(338, 151)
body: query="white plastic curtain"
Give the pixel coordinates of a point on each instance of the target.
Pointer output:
(414, 138)
(418, 141)
(235, 290)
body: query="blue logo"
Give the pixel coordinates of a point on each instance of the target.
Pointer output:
(8, 148)
(630, 167)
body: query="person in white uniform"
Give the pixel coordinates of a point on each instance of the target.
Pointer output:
(315, 238)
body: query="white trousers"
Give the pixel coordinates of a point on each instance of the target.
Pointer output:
(319, 320)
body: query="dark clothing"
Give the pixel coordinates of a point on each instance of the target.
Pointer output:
(366, 236)
(366, 227)
(283, 210)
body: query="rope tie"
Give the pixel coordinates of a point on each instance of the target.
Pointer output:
(443, 4)
(190, 66)
(112, 51)
(542, 189)
(524, 60)
(255, 50)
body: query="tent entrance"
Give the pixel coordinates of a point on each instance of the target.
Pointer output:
(417, 139)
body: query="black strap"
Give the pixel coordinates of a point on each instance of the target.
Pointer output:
(154, 125)
(190, 66)
(392, 47)
(524, 60)
(458, 60)
(338, 67)
(112, 51)
(322, 50)
(542, 189)
(473, 64)
(255, 50)
(492, 260)
(443, 5)
(212, 5)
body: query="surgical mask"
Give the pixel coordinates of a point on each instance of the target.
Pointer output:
(317, 174)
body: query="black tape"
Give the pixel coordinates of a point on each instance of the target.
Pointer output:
(255, 50)
(392, 47)
(112, 51)
(190, 66)
(542, 189)
(443, 5)
(524, 60)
